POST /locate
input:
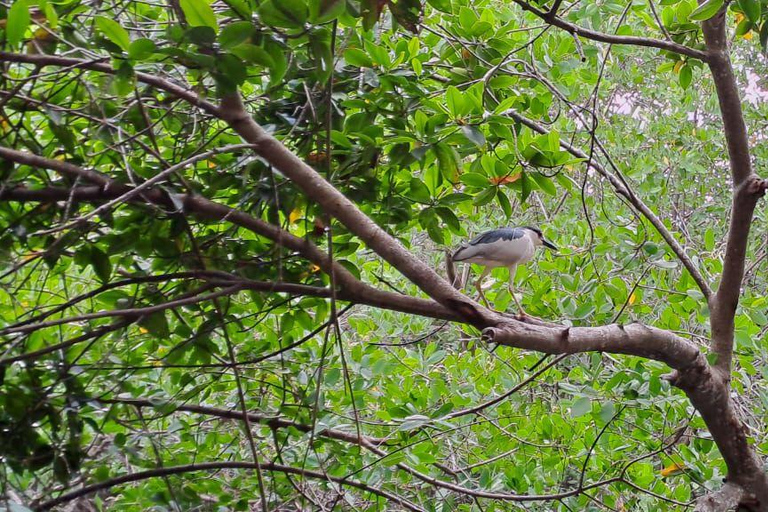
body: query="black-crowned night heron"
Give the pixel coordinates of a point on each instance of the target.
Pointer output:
(502, 247)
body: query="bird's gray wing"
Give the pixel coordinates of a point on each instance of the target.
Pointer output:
(476, 246)
(498, 234)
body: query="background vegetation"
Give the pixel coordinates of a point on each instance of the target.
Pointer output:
(160, 277)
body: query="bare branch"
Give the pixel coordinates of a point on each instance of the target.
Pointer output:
(178, 91)
(551, 18)
(726, 498)
(632, 339)
(214, 466)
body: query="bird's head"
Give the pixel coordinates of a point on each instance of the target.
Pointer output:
(538, 238)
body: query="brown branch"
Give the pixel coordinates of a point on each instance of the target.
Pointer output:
(633, 339)
(708, 392)
(206, 209)
(215, 466)
(726, 498)
(178, 91)
(270, 421)
(336, 204)
(552, 18)
(747, 189)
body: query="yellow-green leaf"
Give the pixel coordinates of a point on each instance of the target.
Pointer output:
(706, 10)
(18, 21)
(113, 31)
(199, 14)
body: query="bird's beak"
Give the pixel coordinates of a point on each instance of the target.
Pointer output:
(548, 244)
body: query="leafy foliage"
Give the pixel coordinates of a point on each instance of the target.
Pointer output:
(408, 108)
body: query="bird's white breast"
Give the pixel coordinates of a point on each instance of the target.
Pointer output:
(504, 252)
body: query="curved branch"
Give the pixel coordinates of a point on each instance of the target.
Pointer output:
(214, 466)
(552, 18)
(352, 288)
(178, 91)
(633, 339)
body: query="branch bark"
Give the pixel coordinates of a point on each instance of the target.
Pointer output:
(747, 189)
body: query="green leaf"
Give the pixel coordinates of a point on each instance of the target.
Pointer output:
(253, 54)
(279, 62)
(18, 21)
(447, 160)
(685, 77)
(199, 14)
(322, 11)
(449, 218)
(141, 49)
(503, 201)
(358, 58)
(113, 31)
(419, 191)
(101, 264)
(284, 13)
(751, 9)
(580, 407)
(525, 186)
(744, 27)
(455, 101)
(235, 33)
(607, 411)
(413, 422)
(485, 197)
(709, 239)
(474, 179)
(156, 324)
(474, 135)
(544, 183)
(441, 5)
(706, 10)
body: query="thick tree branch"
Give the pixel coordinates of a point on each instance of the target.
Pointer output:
(552, 18)
(747, 189)
(336, 204)
(632, 339)
(726, 498)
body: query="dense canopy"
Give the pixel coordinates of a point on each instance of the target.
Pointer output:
(223, 239)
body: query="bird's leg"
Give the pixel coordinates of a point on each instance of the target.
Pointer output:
(479, 286)
(512, 271)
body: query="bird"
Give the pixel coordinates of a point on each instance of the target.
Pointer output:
(502, 247)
